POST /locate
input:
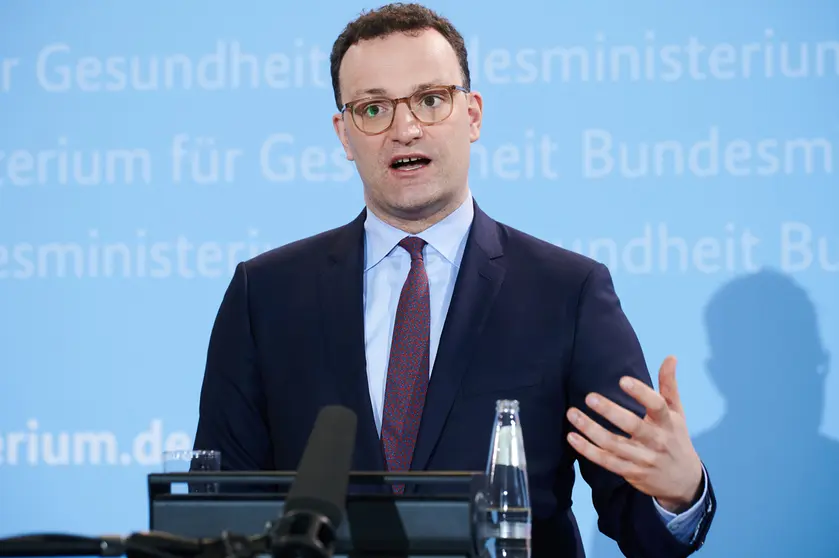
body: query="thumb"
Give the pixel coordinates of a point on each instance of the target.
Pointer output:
(667, 384)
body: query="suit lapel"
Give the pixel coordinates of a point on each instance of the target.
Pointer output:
(342, 316)
(478, 282)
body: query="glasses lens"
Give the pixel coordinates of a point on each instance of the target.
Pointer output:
(372, 116)
(432, 105)
(429, 106)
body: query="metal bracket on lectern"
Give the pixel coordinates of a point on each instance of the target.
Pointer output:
(435, 516)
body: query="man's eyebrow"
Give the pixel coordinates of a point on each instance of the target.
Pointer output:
(381, 91)
(371, 91)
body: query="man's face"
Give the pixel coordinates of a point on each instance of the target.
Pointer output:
(397, 66)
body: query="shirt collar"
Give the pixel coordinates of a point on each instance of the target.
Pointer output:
(446, 237)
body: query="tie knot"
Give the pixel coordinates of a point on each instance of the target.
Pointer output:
(413, 245)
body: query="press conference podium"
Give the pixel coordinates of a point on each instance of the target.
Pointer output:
(438, 521)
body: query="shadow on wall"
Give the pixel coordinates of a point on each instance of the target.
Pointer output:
(776, 478)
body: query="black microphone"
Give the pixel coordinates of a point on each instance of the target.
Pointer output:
(316, 502)
(314, 510)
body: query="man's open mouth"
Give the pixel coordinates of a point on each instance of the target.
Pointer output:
(409, 163)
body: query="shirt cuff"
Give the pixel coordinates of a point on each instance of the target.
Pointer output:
(684, 525)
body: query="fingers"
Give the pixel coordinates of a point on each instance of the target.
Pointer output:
(601, 457)
(618, 446)
(624, 419)
(667, 384)
(653, 402)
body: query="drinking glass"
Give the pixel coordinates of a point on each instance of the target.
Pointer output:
(189, 461)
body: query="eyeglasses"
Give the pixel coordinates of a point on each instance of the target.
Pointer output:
(374, 115)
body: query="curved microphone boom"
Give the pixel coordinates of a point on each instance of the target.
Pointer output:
(316, 502)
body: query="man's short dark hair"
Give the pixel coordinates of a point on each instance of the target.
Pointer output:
(410, 19)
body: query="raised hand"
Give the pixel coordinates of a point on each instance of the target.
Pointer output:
(658, 457)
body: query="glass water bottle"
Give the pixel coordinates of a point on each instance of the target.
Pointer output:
(507, 500)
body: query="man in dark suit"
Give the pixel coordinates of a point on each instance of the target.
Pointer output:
(423, 311)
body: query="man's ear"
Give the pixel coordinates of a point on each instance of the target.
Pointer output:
(341, 131)
(476, 115)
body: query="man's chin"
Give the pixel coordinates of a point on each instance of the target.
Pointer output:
(416, 204)
(417, 207)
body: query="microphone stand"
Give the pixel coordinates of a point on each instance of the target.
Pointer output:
(57, 544)
(137, 545)
(305, 530)
(302, 533)
(297, 534)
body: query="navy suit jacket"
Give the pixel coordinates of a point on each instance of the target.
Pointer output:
(528, 321)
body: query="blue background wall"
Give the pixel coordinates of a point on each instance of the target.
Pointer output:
(115, 248)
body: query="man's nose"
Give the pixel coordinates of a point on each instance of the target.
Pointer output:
(405, 127)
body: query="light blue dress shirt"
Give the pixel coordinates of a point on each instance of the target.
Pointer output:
(386, 267)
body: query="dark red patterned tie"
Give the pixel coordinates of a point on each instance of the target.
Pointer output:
(407, 374)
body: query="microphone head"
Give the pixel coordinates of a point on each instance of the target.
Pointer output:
(316, 502)
(323, 473)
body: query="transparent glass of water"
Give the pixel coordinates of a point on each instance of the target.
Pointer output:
(188, 461)
(507, 516)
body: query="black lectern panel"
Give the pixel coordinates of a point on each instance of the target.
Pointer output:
(436, 520)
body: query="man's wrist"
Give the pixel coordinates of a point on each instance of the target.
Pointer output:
(681, 505)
